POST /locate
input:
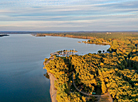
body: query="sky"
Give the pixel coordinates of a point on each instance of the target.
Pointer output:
(68, 15)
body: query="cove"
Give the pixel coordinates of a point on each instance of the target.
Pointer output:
(21, 64)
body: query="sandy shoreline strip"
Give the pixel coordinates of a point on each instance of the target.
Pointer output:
(53, 91)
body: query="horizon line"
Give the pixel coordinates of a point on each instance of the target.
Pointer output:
(71, 31)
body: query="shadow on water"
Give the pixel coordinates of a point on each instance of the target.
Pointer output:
(46, 75)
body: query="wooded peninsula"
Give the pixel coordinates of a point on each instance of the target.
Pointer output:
(104, 76)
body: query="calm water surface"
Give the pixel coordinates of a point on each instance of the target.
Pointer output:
(21, 65)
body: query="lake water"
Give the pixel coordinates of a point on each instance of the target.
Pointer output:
(21, 65)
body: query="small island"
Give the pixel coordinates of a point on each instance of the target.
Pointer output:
(103, 77)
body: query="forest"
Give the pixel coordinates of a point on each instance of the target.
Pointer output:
(83, 78)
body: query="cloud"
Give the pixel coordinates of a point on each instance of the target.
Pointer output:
(61, 14)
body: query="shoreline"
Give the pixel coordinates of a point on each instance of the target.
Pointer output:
(53, 90)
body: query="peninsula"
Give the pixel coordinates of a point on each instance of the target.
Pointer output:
(103, 77)
(1, 35)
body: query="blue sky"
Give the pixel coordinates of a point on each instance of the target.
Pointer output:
(68, 15)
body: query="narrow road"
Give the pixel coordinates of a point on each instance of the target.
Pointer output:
(99, 97)
(105, 97)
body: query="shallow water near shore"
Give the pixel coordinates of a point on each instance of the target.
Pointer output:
(21, 65)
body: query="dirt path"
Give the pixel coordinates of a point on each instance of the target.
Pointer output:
(101, 98)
